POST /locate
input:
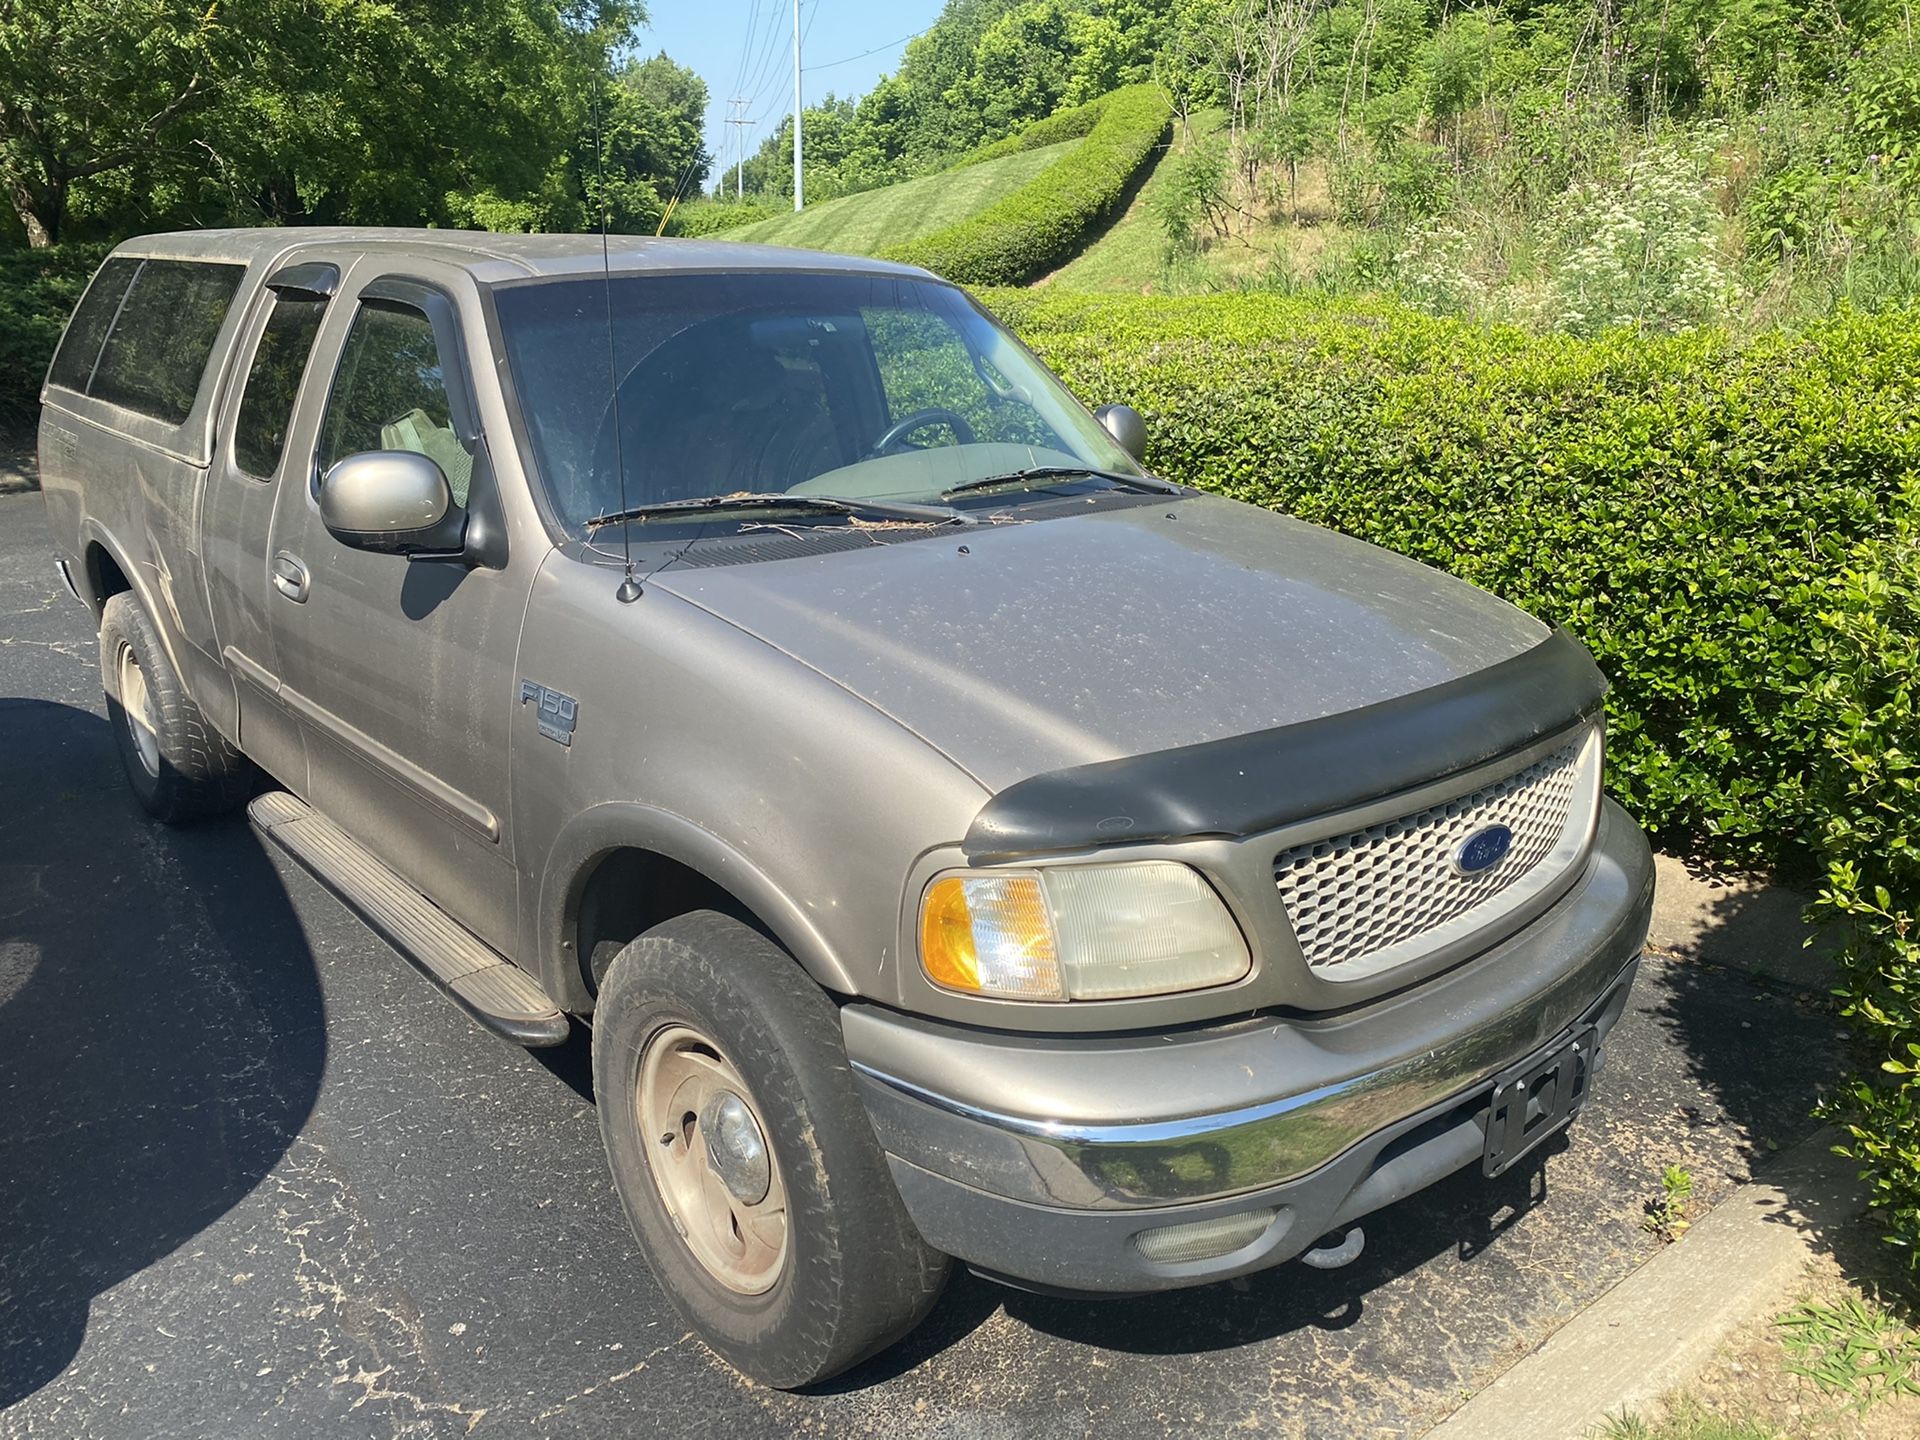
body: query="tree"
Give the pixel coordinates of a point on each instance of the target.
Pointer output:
(132, 113)
(1019, 70)
(91, 87)
(652, 112)
(427, 111)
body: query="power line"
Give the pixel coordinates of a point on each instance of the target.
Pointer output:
(833, 64)
(765, 77)
(746, 47)
(764, 73)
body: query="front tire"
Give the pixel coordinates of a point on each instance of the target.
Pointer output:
(745, 1158)
(180, 767)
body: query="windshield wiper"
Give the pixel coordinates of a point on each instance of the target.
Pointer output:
(781, 500)
(1152, 484)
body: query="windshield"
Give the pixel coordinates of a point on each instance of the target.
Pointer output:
(857, 387)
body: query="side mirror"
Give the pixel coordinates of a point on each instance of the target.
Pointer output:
(395, 502)
(1124, 424)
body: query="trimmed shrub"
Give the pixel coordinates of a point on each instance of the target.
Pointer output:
(1056, 129)
(711, 217)
(38, 290)
(1863, 704)
(1045, 222)
(1681, 503)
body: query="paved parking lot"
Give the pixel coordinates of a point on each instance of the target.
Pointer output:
(258, 1178)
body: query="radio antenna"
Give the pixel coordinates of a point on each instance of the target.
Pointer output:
(629, 590)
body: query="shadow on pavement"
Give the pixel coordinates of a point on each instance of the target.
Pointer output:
(1756, 1020)
(1752, 1008)
(162, 1035)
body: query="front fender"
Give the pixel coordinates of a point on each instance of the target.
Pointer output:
(622, 825)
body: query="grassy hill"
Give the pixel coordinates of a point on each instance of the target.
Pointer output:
(1133, 254)
(872, 221)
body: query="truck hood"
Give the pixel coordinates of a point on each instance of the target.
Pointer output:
(1018, 648)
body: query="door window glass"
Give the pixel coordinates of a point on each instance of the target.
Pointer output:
(390, 393)
(80, 346)
(266, 407)
(158, 348)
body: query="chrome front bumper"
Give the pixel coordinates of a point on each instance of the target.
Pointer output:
(1139, 1123)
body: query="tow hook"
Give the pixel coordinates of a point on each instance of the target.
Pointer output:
(1330, 1254)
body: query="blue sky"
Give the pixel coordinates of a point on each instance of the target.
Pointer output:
(714, 36)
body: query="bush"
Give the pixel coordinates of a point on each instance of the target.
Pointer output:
(1862, 701)
(1056, 129)
(1641, 253)
(1192, 192)
(1045, 221)
(711, 217)
(1679, 502)
(38, 290)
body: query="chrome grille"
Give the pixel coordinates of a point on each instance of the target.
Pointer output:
(1352, 896)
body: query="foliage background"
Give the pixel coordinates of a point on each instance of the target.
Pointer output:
(120, 116)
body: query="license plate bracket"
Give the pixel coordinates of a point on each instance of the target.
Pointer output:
(1538, 1099)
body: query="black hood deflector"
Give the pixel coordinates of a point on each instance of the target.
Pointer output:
(1246, 784)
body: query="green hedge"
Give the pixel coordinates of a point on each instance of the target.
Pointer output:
(1056, 129)
(1733, 528)
(711, 217)
(1045, 222)
(1682, 503)
(1863, 704)
(38, 290)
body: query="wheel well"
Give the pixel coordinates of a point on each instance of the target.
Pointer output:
(105, 578)
(629, 892)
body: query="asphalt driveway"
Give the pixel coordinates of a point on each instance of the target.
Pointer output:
(258, 1178)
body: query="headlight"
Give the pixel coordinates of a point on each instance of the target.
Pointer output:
(1079, 932)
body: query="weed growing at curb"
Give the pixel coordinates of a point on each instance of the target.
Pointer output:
(1852, 1347)
(1687, 1422)
(1668, 1213)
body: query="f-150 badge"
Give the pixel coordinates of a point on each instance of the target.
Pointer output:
(557, 713)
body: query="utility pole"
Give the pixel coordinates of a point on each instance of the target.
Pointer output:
(738, 119)
(799, 193)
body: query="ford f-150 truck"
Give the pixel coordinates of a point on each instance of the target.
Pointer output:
(962, 843)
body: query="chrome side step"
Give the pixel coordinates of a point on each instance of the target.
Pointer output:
(497, 993)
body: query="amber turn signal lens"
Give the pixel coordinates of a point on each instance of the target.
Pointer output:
(990, 935)
(946, 937)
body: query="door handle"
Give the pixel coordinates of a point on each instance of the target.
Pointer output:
(290, 577)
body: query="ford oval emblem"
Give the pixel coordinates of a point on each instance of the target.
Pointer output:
(1482, 850)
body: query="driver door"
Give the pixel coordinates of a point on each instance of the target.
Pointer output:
(401, 673)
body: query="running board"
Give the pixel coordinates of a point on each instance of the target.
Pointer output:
(490, 988)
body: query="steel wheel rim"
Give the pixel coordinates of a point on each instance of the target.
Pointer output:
(684, 1078)
(136, 705)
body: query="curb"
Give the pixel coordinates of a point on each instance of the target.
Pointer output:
(1654, 1331)
(1742, 922)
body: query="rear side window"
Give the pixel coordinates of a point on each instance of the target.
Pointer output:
(73, 362)
(157, 350)
(266, 407)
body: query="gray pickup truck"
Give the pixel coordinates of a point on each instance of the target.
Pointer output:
(962, 843)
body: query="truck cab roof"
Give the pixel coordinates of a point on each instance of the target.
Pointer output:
(494, 259)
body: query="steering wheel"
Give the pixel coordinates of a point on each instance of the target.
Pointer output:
(919, 420)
